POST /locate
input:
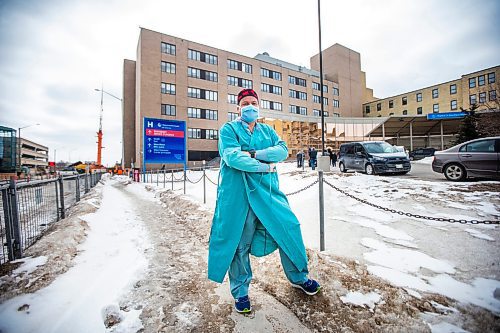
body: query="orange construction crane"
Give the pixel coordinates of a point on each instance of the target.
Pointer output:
(99, 134)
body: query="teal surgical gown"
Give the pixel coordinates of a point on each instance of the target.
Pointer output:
(243, 183)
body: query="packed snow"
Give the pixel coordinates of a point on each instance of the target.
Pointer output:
(422, 256)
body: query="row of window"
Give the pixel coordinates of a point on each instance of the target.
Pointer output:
(233, 64)
(481, 80)
(201, 133)
(170, 110)
(202, 74)
(297, 94)
(317, 99)
(269, 88)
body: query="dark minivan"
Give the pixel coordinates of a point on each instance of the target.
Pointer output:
(373, 157)
(421, 153)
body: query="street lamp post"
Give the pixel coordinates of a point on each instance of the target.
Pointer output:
(19, 141)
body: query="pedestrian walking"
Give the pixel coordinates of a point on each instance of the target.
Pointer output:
(300, 159)
(333, 158)
(252, 215)
(313, 155)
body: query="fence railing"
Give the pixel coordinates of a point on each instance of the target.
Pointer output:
(28, 208)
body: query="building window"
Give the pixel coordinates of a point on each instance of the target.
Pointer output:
(297, 94)
(315, 85)
(297, 81)
(168, 48)
(194, 92)
(270, 74)
(194, 72)
(232, 99)
(379, 106)
(203, 57)
(239, 66)
(435, 93)
(405, 112)
(493, 95)
(491, 77)
(481, 80)
(194, 113)
(168, 110)
(210, 95)
(316, 98)
(419, 110)
(336, 103)
(239, 82)
(232, 116)
(472, 99)
(482, 97)
(167, 67)
(270, 88)
(391, 114)
(317, 113)
(391, 104)
(211, 114)
(167, 88)
(194, 133)
(367, 109)
(453, 89)
(271, 105)
(265, 104)
(335, 91)
(212, 134)
(298, 110)
(419, 97)
(404, 100)
(209, 76)
(472, 82)
(435, 108)
(453, 104)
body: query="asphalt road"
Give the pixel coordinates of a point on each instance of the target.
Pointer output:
(424, 172)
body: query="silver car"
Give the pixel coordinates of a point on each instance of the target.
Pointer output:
(475, 158)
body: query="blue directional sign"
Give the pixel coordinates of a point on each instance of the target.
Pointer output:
(164, 141)
(446, 115)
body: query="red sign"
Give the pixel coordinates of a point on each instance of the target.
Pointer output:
(52, 163)
(165, 133)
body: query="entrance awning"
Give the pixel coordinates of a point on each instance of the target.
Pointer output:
(415, 126)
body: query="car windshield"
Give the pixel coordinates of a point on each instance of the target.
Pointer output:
(379, 147)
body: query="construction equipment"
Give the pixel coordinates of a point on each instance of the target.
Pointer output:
(99, 134)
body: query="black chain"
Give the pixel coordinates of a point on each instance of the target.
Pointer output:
(210, 180)
(187, 178)
(303, 189)
(432, 218)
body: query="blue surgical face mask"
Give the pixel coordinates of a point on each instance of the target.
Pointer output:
(249, 113)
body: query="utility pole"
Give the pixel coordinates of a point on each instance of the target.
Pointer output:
(99, 134)
(321, 82)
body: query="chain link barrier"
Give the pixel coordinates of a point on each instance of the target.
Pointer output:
(431, 218)
(303, 189)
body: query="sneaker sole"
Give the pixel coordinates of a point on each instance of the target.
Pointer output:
(245, 310)
(307, 292)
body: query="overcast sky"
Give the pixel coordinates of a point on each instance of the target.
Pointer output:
(54, 53)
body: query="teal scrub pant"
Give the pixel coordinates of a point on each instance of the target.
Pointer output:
(240, 271)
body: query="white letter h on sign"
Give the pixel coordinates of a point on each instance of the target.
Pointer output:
(150, 124)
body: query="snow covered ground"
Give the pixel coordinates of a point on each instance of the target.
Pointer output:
(143, 242)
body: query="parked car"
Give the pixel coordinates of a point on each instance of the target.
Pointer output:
(475, 158)
(421, 153)
(373, 157)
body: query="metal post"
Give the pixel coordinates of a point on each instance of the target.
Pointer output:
(157, 174)
(204, 186)
(62, 213)
(411, 135)
(86, 183)
(185, 180)
(321, 213)
(383, 131)
(164, 171)
(57, 201)
(442, 139)
(15, 231)
(77, 188)
(172, 179)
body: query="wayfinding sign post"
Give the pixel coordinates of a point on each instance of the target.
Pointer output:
(164, 142)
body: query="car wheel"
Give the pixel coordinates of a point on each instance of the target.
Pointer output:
(455, 172)
(342, 167)
(369, 169)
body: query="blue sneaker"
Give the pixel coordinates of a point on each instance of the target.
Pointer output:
(310, 287)
(242, 305)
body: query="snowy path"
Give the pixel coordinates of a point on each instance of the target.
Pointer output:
(92, 283)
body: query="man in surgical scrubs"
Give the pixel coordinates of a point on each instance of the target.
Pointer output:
(252, 215)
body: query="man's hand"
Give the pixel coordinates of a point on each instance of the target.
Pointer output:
(246, 152)
(272, 167)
